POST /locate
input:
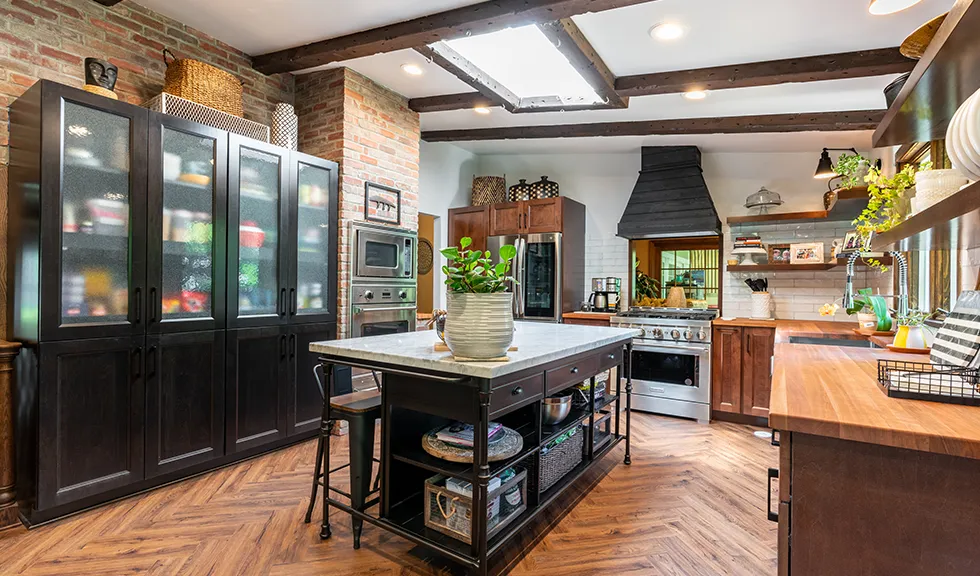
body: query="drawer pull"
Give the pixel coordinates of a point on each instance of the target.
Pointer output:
(575, 370)
(773, 516)
(612, 356)
(517, 391)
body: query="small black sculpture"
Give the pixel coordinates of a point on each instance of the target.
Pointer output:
(100, 73)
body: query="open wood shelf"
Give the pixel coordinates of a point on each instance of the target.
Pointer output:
(947, 74)
(850, 203)
(950, 224)
(782, 267)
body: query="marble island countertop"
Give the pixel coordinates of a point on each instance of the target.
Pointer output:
(537, 343)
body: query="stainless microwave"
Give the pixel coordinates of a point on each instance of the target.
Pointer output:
(383, 253)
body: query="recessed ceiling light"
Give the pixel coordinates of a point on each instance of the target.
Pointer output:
(412, 69)
(667, 31)
(882, 7)
(481, 110)
(696, 95)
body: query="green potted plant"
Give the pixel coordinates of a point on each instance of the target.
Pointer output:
(910, 333)
(872, 312)
(852, 169)
(479, 310)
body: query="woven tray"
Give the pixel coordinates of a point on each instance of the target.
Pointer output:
(501, 449)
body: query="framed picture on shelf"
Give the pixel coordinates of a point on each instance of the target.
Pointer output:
(854, 242)
(809, 253)
(382, 203)
(779, 254)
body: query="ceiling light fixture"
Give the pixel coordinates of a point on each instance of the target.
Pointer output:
(667, 31)
(481, 110)
(883, 7)
(412, 69)
(696, 94)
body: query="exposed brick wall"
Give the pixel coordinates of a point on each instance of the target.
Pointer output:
(368, 130)
(50, 38)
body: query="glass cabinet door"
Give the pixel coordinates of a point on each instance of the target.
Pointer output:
(314, 231)
(187, 206)
(100, 214)
(258, 176)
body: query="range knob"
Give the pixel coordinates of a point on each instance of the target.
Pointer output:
(675, 334)
(702, 335)
(403, 294)
(688, 334)
(368, 295)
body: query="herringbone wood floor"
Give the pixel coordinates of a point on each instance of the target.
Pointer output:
(692, 503)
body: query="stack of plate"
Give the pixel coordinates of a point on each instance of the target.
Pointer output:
(963, 138)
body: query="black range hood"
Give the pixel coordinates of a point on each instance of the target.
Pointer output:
(670, 198)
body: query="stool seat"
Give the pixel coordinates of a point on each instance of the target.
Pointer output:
(356, 403)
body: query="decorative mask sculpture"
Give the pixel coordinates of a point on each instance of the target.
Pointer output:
(100, 77)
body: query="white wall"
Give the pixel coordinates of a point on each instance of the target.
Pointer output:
(603, 182)
(445, 181)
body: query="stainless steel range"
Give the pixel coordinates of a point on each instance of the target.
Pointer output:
(671, 362)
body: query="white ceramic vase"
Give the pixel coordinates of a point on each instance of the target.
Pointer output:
(762, 305)
(479, 326)
(285, 126)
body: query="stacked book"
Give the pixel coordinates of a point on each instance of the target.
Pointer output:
(461, 435)
(748, 242)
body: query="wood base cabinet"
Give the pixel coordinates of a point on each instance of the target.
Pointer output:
(741, 370)
(849, 507)
(257, 367)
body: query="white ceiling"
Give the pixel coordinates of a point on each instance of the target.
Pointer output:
(718, 32)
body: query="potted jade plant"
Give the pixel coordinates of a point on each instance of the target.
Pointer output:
(872, 312)
(910, 333)
(479, 310)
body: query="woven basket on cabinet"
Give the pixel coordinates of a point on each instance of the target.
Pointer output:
(203, 83)
(488, 190)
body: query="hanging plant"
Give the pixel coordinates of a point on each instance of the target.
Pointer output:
(850, 168)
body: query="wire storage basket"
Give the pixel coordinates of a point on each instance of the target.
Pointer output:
(184, 108)
(934, 382)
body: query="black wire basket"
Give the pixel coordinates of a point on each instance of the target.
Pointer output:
(934, 382)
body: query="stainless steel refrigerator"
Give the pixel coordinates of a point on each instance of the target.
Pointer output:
(548, 283)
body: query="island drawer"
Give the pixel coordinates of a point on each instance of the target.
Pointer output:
(574, 372)
(610, 358)
(516, 394)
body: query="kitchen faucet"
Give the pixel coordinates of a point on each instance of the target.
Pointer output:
(901, 299)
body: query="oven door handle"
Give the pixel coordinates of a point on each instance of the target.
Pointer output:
(669, 349)
(361, 310)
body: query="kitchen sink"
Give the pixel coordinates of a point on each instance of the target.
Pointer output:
(817, 341)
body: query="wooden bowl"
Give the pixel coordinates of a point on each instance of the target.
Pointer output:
(915, 45)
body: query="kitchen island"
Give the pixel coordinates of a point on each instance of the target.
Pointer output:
(869, 484)
(424, 390)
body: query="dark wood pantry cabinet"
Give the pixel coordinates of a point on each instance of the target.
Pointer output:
(166, 280)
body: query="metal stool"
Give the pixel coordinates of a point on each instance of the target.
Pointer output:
(360, 410)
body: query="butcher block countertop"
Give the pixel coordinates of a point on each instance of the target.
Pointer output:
(833, 391)
(588, 315)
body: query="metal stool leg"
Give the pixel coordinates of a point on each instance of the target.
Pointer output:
(361, 463)
(316, 477)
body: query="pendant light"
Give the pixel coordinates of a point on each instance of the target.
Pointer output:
(883, 7)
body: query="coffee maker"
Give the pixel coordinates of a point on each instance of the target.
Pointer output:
(605, 295)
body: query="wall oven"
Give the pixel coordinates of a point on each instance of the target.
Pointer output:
(378, 309)
(382, 253)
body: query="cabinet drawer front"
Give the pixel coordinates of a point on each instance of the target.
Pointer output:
(610, 358)
(572, 373)
(517, 393)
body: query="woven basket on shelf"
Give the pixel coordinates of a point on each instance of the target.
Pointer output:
(202, 83)
(488, 190)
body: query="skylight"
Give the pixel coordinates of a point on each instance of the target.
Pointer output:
(526, 63)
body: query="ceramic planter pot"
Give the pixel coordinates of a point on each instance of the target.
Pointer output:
(479, 326)
(867, 323)
(910, 337)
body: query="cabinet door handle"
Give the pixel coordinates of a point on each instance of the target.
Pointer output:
(748, 345)
(153, 305)
(292, 345)
(139, 361)
(282, 347)
(773, 516)
(774, 439)
(292, 301)
(282, 302)
(138, 305)
(517, 391)
(151, 360)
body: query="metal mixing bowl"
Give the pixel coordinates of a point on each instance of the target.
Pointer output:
(554, 410)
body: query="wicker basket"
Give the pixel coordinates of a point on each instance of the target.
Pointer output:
(203, 83)
(561, 458)
(489, 190)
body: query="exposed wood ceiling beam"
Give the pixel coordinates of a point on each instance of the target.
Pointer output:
(449, 102)
(454, 63)
(809, 69)
(802, 122)
(572, 43)
(479, 18)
